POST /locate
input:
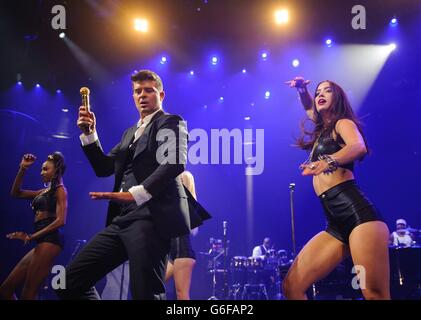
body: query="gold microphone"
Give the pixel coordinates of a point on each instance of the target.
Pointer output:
(84, 92)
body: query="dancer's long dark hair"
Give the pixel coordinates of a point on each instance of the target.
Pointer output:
(340, 109)
(57, 159)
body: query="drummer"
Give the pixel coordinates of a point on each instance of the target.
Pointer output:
(264, 249)
(401, 237)
(215, 254)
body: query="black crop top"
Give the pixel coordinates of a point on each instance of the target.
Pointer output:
(327, 145)
(45, 201)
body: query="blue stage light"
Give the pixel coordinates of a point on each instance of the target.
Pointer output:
(264, 55)
(329, 42)
(393, 22)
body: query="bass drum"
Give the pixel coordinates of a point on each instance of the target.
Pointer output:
(256, 263)
(238, 268)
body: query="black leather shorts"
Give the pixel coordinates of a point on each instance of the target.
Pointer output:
(181, 248)
(346, 207)
(54, 237)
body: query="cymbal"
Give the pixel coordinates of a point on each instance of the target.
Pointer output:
(412, 230)
(218, 271)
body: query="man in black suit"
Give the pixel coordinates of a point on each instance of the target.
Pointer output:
(148, 205)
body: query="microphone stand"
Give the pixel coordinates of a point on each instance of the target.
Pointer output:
(214, 297)
(79, 244)
(225, 224)
(291, 193)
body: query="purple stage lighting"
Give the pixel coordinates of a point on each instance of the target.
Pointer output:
(264, 55)
(393, 22)
(329, 42)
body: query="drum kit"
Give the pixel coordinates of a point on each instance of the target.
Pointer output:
(242, 277)
(247, 278)
(258, 278)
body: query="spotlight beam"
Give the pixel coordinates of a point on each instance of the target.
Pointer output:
(356, 67)
(89, 64)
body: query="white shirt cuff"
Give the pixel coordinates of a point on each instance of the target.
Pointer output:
(140, 194)
(88, 139)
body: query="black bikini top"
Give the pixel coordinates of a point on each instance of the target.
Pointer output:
(45, 201)
(325, 144)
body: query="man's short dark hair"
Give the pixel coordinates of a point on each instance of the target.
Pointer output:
(147, 75)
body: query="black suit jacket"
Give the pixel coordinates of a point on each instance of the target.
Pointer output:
(169, 207)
